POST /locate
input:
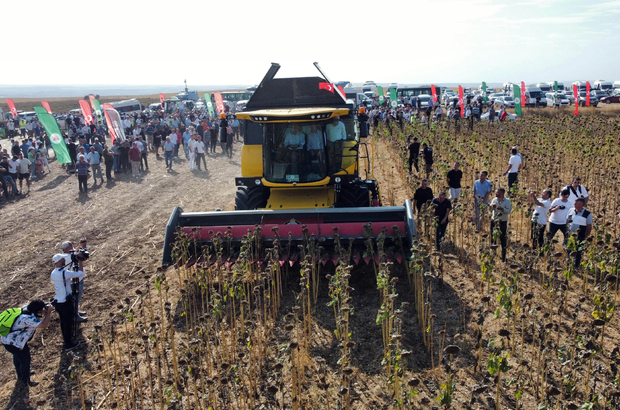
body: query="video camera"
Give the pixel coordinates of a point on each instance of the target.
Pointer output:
(79, 255)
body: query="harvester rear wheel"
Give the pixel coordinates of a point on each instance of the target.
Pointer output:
(353, 196)
(251, 198)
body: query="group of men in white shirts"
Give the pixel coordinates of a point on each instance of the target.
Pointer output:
(567, 214)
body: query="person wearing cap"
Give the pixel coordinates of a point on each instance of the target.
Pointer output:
(64, 300)
(362, 117)
(223, 131)
(81, 172)
(134, 157)
(22, 331)
(98, 147)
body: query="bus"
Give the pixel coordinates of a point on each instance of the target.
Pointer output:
(132, 106)
(233, 96)
(405, 92)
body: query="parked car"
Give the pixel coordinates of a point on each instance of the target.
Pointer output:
(492, 97)
(506, 100)
(599, 94)
(485, 116)
(560, 99)
(583, 99)
(424, 100)
(611, 99)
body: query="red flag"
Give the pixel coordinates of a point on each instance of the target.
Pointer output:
(115, 125)
(46, 105)
(434, 92)
(326, 86)
(461, 99)
(576, 94)
(588, 93)
(161, 99)
(12, 107)
(219, 103)
(522, 94)
(342, 92)
(86, 112)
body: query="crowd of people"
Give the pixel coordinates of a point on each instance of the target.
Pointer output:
(567, 213)
(92, 150)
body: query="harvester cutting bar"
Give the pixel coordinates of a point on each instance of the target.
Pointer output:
(289, 225)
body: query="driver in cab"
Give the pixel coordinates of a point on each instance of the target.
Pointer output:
(295, 139)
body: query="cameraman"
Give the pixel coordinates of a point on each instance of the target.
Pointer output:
(64, 299)
(71, 262)
(22, 331)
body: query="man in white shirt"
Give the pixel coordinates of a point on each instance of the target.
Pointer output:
(577, 191)
(24, 166)
(200, 151)
(558, 215)
(539, 217)
(514, 166)
(64, 298)
(191, 150)
(336, 135)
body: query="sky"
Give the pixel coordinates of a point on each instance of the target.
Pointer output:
(408, 42)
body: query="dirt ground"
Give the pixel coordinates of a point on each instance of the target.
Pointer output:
(124, 222)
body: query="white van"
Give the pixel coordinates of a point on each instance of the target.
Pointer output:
(544, 87)
(370, 86)
(531, 93)
(603, 85)
(127, 106)
(581, 85)
(552, 86)
(616, 85)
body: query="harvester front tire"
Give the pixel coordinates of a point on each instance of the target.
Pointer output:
(251, 198)
(353, 196)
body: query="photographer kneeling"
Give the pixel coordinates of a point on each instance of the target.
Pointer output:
(21, 331)
(65, 298)
(74, 257)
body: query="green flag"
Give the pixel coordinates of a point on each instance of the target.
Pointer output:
(484, 91)
(393, 98)
(97, 107)
(381, 96)
(555, 86)
(53, 131)
(517, 92)
(209, 105)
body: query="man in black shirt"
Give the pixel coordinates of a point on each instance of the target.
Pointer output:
(453, 179)
(442, 210)
(414, 152)
(422, 195)
(427, 154)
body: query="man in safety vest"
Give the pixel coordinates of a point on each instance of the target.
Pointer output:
(22, 127)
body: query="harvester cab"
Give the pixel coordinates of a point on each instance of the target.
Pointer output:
(301, 178)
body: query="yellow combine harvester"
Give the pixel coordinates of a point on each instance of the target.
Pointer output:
(300, 166)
